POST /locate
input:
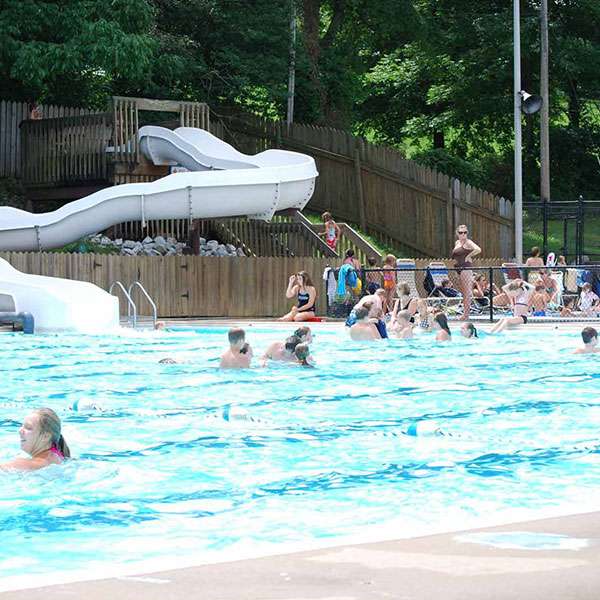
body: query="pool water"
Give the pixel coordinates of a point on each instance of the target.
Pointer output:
(186, 463)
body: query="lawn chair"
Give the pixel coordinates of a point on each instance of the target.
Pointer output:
(405, 273)
(439, 272)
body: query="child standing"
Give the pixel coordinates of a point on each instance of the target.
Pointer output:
(389, 281)
(332, 230)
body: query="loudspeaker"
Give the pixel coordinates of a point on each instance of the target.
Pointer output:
(530, 103)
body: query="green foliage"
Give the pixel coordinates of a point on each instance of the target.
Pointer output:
(85, 246)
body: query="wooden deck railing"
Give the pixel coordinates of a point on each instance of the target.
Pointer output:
(65, 149)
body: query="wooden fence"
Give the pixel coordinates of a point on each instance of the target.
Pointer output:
(404, 205)
(197, 286)
(185, 286)
(11, 116)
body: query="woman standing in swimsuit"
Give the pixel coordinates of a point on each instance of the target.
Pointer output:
(300, 285)
(462, 254)
(41, 438)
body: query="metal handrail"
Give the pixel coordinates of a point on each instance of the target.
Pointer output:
(131, 307)
(147, 295)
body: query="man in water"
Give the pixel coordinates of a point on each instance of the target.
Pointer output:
(364, 328)
(590, 341)
(239, 354)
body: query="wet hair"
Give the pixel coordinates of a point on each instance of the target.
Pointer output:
(167, 361)
(404, 314)
(302, 332)
(535, 251)
(236, 335)
(302, 351)
(442, 321)
(291, 343)
(326, 216)
(390, 259)
(513, 286)
(404, 289)
(306, 280)
(49, 423)
(471, 329)
(372, 261)
(588, 334)
(361, 313)
(244, 349)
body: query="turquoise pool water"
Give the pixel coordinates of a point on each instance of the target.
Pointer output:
(187, 463)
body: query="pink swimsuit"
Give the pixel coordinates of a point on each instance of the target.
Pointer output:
(57, 452)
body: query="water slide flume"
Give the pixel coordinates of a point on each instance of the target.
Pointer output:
(220, 182)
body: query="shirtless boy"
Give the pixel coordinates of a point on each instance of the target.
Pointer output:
(364, 328)
(401, 326)
(239, 354)
(283, 351)
(590, 341)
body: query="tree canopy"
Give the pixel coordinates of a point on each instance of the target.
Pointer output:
(432, 77)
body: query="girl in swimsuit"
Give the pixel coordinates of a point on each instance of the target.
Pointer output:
(332, 230)
(389, 281)
(301, 286)
(463, 253)
(41, 438)
(519, 292)
(440, 324)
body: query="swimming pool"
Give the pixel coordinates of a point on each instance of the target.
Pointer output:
(188, 464)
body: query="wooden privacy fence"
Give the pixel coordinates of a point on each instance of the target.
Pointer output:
(402, 204)
(11, 116)
(186, 286)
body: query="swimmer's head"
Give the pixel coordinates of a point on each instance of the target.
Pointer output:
(167, 361)
(440, 321)
(589, 336)
(159, 325)
(404, 316)
(237, 337)
(468, 330)
(291, 343)
(361, 313)
(302, 352)
(403, 289)
(304, 333)
(40, 431)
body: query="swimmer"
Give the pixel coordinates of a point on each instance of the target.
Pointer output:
(303, 355)
(519, 293)
(402, 325)
(159, 325)
(425, 319)
(305, 334)
(239, 354)
(41, 438)
(440, 325)
(469, 330)
(167, 361)
(284, 351)
(364, 328)
(590, 341)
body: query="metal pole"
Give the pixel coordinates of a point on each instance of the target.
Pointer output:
(545, 226)
(545, 111)
(518, 136)
(491, 292)
(292, 68)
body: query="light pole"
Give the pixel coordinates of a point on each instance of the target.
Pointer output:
(292, 66)
(529, 104)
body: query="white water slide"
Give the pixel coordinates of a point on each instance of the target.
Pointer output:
(220, 182)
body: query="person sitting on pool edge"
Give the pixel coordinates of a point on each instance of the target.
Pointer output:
(42, 439)
(283, 351)
(590, 341)
(364, 328)
(239, 354)
(301, 286)
(303, 356)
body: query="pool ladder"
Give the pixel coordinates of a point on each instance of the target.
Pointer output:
(133, 318)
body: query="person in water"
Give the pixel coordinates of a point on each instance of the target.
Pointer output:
(441, 328)
(363, 328)
(305, 334)
(282, 351)
(239, 354)
(301, 286)
(402, 324)
(303, 356)
(519, 293)
(468, 330)
(42, 439)
(463, 253)
(590, 341)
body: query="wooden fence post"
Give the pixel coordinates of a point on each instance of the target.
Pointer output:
(359, 187)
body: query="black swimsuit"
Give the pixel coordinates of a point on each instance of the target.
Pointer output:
(303, 298)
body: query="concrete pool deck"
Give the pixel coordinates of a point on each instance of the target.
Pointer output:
(423, 568)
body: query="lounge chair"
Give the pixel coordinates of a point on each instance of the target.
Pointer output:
(405, 273)
(439, 272)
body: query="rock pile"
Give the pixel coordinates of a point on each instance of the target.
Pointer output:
(160, 246)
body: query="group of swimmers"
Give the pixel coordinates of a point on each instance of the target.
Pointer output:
(294, 349)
